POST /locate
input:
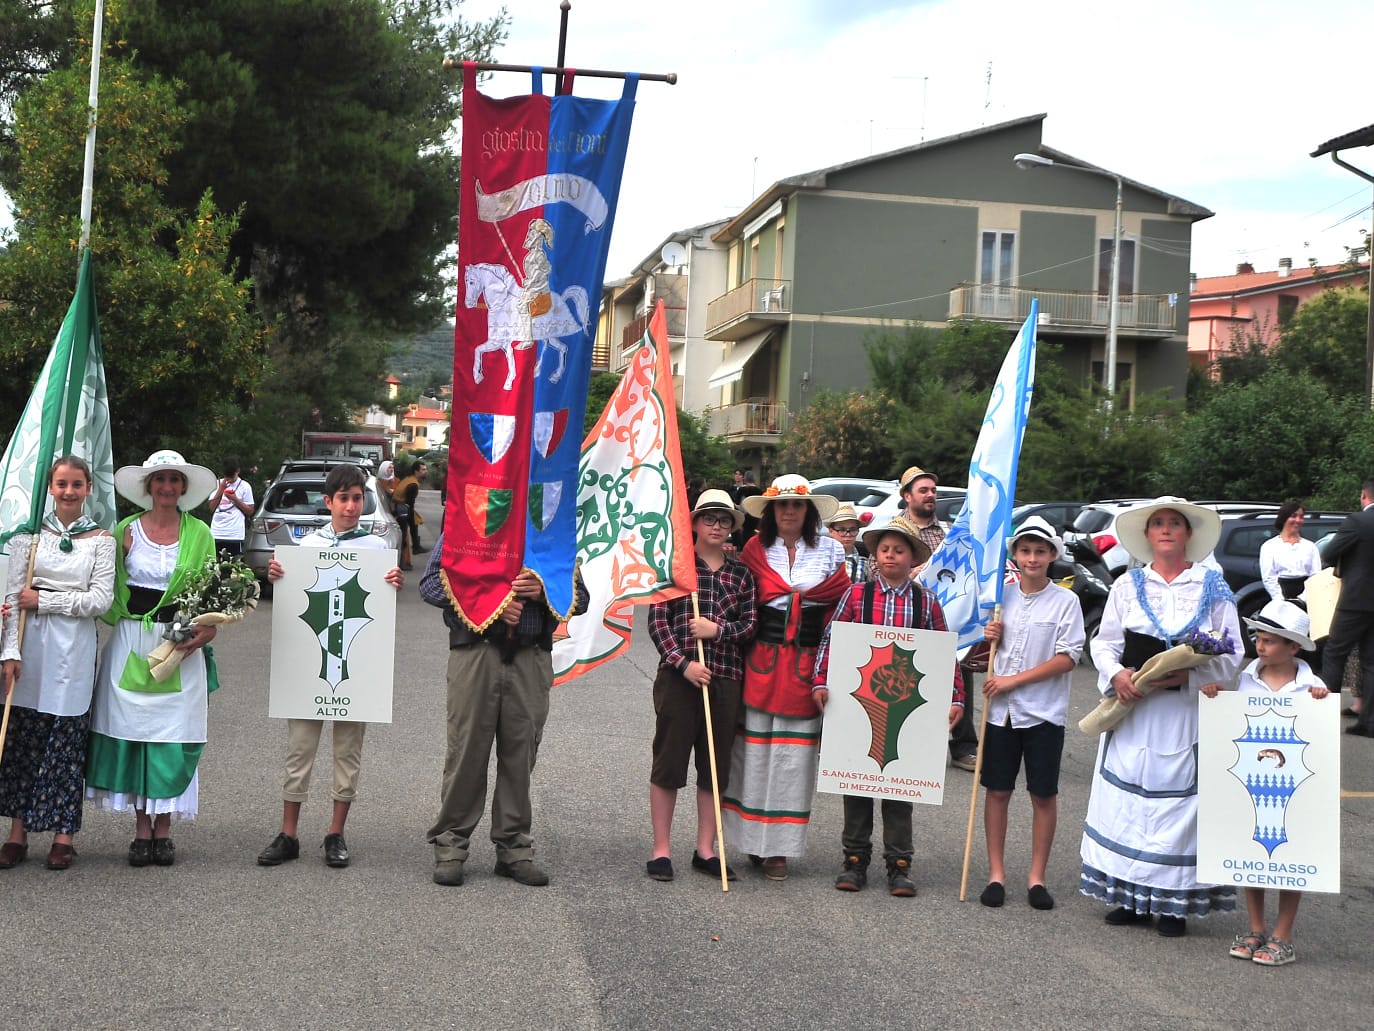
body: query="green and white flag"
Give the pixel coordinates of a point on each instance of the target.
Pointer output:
(68, 413)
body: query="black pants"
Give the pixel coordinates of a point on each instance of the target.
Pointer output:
(1351, 628)
(964, 740)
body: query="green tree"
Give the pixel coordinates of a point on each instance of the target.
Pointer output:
(183, 350)
(1325, 339)
(34, 36)
(704, 457)
(835, 436)
(1264, 440)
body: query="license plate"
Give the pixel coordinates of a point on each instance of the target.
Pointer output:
(297, 532)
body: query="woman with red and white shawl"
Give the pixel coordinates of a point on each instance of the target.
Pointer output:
(800, 575)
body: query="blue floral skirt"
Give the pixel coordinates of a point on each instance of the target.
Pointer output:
(42, 775)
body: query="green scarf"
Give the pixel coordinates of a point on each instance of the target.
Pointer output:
(197, 548)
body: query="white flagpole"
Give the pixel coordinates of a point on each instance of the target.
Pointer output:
(92, 102)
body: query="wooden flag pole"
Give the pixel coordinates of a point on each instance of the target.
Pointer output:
(19, 643)
(711, 752)
(977, 762)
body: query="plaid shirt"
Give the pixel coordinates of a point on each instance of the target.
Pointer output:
(726, 597)
(891, 607)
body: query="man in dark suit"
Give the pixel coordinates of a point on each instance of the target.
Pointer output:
(1353, 624)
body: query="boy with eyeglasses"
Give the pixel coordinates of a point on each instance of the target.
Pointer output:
(723, 623)
(844, 526)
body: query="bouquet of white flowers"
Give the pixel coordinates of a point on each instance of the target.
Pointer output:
(224, 590)
(1193, 649)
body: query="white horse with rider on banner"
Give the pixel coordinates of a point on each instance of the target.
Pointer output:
(509, 329)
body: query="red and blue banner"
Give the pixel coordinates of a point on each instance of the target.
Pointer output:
(540, 178)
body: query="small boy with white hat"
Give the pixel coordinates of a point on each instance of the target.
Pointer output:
(1040, 637)
(1281, 631)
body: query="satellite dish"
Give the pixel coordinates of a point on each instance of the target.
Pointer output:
(673, 254)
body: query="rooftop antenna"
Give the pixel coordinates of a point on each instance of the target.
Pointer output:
(987, 99)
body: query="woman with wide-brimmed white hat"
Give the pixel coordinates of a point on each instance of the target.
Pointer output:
(147, 735)
(1140, 837)
(800, 576)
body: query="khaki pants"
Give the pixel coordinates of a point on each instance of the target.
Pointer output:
(303, 741)
(491, 703)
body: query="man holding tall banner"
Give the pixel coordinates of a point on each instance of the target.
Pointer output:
(540, 178)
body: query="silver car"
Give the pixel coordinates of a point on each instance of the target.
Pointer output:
(294, 507)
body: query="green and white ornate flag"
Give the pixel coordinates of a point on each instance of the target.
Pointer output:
(68, 413)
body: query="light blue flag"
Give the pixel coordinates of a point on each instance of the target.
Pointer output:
(967, 570)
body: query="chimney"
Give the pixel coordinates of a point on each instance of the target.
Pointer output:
(1285, 267)
(1245, 269)
(1192, 282)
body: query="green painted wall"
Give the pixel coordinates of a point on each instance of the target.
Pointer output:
(1054, 251)
(898, 260)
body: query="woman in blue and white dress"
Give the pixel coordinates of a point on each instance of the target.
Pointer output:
(1139, 846)
(53, 671)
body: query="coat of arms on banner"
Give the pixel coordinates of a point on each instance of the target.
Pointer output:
(1269, 791)
(886, 724)
(333, 634)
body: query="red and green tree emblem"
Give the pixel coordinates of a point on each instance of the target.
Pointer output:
(889, 691)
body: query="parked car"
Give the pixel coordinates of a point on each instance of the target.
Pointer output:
(1059, 514)
(294, 506)
(1098, 522)
(856, 490)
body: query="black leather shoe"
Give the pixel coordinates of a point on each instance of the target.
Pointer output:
(1359, 731)
(164, 852)
(335, 850)
(283, 847)
(1123, 917)
(140, 852)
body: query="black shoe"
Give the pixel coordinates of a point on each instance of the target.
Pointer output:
(1359, 731)
(164, 852)
(448, 872)
(899, 880)
(1172, 927)
(522, 871)
(283, 847)
(993, 895)
(140, 852)
(660, 868)
(335, 850)
(1123, 917)
(854, 876)
(415, 549)
(712, 866)
(1039, 897)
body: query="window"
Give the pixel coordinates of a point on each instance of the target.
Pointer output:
(1288, 307)
(1123, 375)
(996, 273)
(997, 264)
(1104, 266)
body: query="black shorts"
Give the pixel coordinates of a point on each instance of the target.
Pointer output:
(681, 727)
(1004, 747)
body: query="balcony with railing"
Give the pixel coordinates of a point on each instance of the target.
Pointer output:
(756, 420)
(749, 308)
(1068, 311)
(676, 319)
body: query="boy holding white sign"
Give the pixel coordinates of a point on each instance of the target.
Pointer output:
(344, 493)
(891, 599)
(1280, 633)
(1027, 699)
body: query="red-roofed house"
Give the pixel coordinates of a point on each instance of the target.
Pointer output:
(1226, 311)
(423, 428)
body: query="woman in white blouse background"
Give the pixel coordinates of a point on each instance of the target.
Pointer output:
(1286, 561)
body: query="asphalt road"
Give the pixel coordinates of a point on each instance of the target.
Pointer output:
(217, 941)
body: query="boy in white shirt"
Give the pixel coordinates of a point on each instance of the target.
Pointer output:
(1039, 639)
(345, 490)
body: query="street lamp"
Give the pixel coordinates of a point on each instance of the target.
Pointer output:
(1027, 161)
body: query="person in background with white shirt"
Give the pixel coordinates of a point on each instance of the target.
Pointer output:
(232, 505)
(1286, 561)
